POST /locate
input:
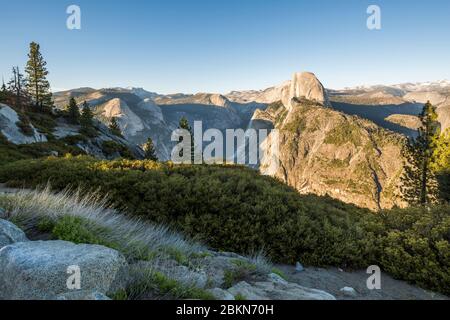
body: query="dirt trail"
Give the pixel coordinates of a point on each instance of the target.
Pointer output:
(333, 279)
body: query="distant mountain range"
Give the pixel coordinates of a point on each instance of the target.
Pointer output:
(325, 148)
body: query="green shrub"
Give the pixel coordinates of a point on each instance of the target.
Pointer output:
(73, 140)
(342, 134)
(79, 230)
(416, 246)
(177, 255)
(279, 273)
(43, 122)
(119, 295)
(24, 126)
(240, 272)
(10, 152)
(111, 148)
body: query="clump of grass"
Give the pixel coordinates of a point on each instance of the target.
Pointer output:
(240, 297)
(81, 230)
(151, 284)
(122, 294)
(241, 271)
(279, 273)
(86, 218)
(261, 261)
(178, 255)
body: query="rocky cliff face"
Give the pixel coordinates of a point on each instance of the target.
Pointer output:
(46, 139)
(9, 127)
(141, 114)
(439, 99)
(326, 152)
(138, 116)
(411, 96)
(304, 85)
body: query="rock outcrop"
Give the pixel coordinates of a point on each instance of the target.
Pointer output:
(277, 290)
(80, 295)
(48, 270)
(304, 85)
(326, 152)
(10, 234)
(9, 120)
(404, 120)
(94, 146)
(40, 269)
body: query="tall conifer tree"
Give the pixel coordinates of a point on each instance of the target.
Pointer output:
(37, 84)
(419, 180)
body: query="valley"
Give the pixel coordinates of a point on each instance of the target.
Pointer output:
(365, 171)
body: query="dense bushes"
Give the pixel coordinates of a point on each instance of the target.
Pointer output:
(112, 148)
(415, 246)
(234, 208)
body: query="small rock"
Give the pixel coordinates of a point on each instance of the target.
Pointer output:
(82, 295)
(278, 291)
(10, 233)
(221, 294)
(276, 278)
(299, 267)
(349, 292)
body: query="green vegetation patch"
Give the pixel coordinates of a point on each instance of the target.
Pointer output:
(233, 208)
(148, 284)
(342, 134)
(111, 148)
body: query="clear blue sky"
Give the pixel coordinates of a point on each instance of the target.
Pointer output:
(217, 46)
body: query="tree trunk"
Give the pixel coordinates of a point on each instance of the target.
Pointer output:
(424, 190)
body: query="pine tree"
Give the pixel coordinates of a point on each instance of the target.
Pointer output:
(419, 180)
(3, 93)
(441, 165)
(73, 112)
(17, 87)
(184, 124)
(115, 128)
(86, 120)
(37, 84)
(149, 149)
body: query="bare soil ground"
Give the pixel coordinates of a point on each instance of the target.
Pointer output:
(333, 279)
